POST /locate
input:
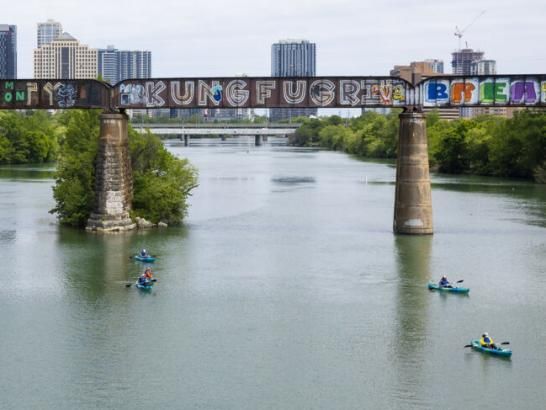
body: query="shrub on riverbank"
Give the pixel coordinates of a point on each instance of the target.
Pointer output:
(161, 182)
(485, 145)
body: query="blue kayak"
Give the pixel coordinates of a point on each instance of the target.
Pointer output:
(497, 352)
(145, 258)
(144, 286)
(455, 289)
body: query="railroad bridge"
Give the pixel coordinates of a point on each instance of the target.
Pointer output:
(412, 201)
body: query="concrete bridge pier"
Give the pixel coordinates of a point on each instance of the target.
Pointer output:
(412, 202)
(186, 140)
(257, 140)
(264, 138)
(113, 177)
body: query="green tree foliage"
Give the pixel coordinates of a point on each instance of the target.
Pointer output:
(370, 135)
(484, 145)
(75, 177)
(161, 182)
(27, 138)
(489, 145)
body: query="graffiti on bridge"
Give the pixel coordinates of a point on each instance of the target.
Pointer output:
(53, 94)
(274, 92)
(261, 92)
(484, 91)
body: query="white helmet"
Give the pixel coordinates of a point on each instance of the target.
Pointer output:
(485, 334)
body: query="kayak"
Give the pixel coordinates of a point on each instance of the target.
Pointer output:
(145, 286)
(498, 352)
(145, 258)
(435, 286)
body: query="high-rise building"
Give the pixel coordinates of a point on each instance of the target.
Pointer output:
(482, 67)
(8, 51)
(462, 60)
(48, 31)
(65, 58)
(117, 65)
(135, 64)
(292, 58)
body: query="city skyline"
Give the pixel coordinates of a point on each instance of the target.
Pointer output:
(212, 40)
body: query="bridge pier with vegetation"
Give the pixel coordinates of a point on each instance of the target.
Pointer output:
(113, 177)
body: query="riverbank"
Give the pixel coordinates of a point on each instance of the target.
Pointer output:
(485, 145)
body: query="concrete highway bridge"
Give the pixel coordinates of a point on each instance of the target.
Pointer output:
(185, 132)
(412, 199)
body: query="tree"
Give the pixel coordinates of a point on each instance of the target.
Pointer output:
(161, 182)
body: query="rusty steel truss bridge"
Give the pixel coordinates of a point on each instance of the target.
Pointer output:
(412, 197)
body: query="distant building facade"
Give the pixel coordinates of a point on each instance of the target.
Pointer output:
(483, 67)
(8, 51)
(417, 70)
(462, 60)
(292, 58)
(65, 58)
(48, 31)
(117, 65)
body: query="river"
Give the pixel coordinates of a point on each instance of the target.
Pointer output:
(285, 289)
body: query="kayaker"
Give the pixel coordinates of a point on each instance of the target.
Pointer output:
(143, 279)
(144, 253)
(487, 341)
(444, 283)
(148, 274)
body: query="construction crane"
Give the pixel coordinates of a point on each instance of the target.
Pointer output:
(459, 33)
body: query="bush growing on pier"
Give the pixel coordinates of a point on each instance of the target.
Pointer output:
(161, 182)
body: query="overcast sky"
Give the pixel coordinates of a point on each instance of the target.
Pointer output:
(230, 37)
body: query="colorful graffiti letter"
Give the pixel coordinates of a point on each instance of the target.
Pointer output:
(524, 92)
(436, 92)
(493, 91)
(464, 92)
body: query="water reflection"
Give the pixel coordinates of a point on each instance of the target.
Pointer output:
(27, 173)
(413, 255)
(92, 263)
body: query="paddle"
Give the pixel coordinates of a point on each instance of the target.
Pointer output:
(502, 343)
(129, 284)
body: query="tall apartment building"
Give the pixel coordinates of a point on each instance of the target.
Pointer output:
(48, 31)
(8, 51)
(292, 58)
(65, 58)
(481, 67)
(116, 65)
(461, 61)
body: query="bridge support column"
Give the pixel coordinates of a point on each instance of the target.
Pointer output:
(113, 177)
(265, 138)
(257, 140)
(412, 202)
(186, 140)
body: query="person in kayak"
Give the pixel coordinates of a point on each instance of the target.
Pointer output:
(143, 279)
(444, 283)
(144, 253)
(487, 341)
(148, 274)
